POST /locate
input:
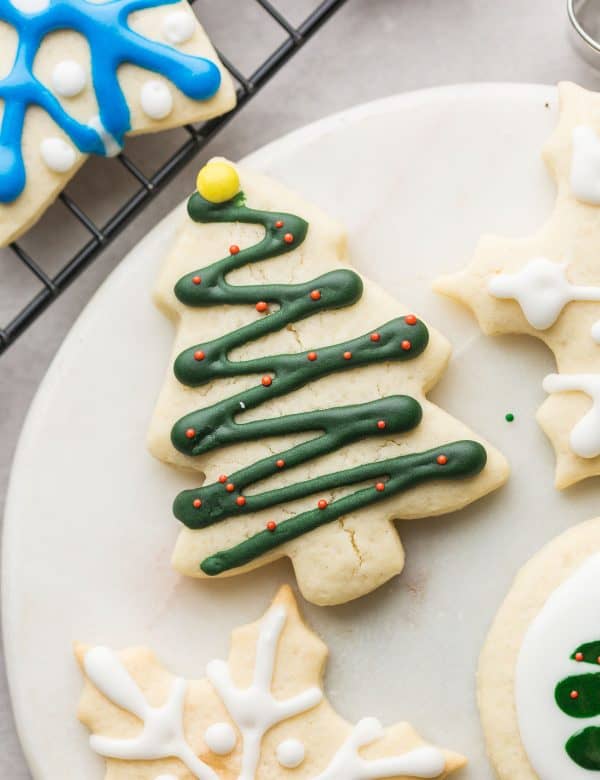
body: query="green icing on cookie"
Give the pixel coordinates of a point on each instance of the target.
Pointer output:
(588, 653)
(579, 697)
(584, 748)
(215, 426)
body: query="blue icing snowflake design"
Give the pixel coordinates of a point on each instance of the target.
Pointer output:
(112, 42)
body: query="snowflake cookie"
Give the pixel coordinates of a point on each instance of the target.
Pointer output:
(538, 676)
(77, 75)
(262, 714)
(548, 286)
(298, 390)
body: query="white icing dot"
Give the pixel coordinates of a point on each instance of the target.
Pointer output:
(156, 99)
(220, 738)
(31, 6)
(68, 78)
(111, 145)
(290, 753)
(58, 155)
(178, 27)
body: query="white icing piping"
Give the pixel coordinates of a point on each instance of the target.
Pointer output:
(253, 709)
(426, 761)
(585, 165)
(111, 146)
(542, 290)
(162, 735)
(585, 436)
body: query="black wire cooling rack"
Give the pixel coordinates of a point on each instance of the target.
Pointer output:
(148, 186)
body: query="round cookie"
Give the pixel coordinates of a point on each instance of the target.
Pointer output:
(538, 668)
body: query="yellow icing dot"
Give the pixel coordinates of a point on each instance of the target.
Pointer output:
(218, 181)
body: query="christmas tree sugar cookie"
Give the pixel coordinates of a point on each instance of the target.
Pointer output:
(262, 714)
(539, 673)
(86, 74)
(297, 389)
(548, 285)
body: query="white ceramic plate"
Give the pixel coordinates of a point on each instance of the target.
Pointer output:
(89, 532)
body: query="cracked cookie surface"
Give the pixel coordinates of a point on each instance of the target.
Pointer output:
(299, 395)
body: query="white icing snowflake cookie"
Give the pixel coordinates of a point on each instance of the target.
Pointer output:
(297, 390)
(87, 74)
(539, 682)
(548, 286)
(262, 714)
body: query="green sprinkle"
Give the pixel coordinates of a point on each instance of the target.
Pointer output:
(509, 417)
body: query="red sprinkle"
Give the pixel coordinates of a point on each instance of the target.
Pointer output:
(574, 694)
(406, 345)
(262, 306)
(280, 463)
(312, 356)
(598, 659)
(316, 295)
(271, 525)
(322, 504)
(234, 249)
(381, 424)
(266, 381)
(197, 279)
(442, 460)
(223, 478)
(197, 503)
(199, 355)
(410, 319)
(375, 337)
(279, 223)
(347, 355)
(240, 501)
(579, 656)
(288, 238)
(190, 433)
(230, 487)
(380, 486)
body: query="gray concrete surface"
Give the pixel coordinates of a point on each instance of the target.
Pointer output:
(371, 49)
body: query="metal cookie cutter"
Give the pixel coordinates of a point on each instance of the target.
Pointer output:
(584, 17)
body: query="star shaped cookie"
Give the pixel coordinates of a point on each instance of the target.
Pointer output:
(548, 285)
